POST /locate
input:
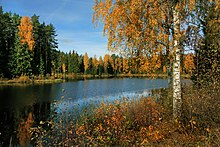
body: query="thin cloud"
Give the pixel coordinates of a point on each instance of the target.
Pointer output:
(66, 40)
(72, 20)
(63, 13)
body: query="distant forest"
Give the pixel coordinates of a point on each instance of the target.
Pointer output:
(29, 47)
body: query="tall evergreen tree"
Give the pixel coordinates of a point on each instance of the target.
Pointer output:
(76, 62)
(37, 62)
(6, 41)
(20, 62)
(49, 45)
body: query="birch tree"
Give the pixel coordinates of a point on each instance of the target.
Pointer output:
(177, 99)
(138, 27)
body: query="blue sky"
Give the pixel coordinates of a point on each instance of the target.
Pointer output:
(71, 18)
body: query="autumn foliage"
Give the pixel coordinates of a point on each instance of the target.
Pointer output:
(115, 123)
(26, 32)
(151, 64)
(86, 62)
(63, 68)
(137, 122)
(189, 63)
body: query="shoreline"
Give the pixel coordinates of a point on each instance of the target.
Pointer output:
(25, 80)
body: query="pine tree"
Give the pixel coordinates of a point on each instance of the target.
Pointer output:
(20, 59)
(7, 38)
(100, 67)
(76, 63)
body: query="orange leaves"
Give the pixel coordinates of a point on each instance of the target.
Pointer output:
(164, 69)
(64, 68)
(191, 4)
(125, 65)
(26, 32)
(125, 121)
(95, 62)
(122, 20)
(151, 64)
(217, 5)
(86, 62)
(139, 24)
(80, 130)
(108, 61)
(189, 63)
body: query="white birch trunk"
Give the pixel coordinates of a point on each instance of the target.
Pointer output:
(177, 100)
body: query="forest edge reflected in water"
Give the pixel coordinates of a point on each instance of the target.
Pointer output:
(21, 112)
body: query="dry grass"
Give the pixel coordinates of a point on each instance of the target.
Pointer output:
(142, 122)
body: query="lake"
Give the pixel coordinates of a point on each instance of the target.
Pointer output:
(16, 102)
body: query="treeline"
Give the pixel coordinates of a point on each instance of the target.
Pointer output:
(113, 64)
(27, 47)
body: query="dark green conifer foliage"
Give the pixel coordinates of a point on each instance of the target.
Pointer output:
(20, 59)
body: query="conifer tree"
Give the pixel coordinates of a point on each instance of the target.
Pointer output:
(20, 58)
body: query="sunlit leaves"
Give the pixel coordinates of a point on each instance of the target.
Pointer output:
(26, 32)
(164, 69)
(189, 63)
(108, 63)
(117, 122)
(130, 24)
(139, 27)
(86, 62)
(63, 68)
(151, 64)
(95, 62)
(125, 65)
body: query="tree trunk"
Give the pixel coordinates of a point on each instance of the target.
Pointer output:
(177, 100)
(168, 59)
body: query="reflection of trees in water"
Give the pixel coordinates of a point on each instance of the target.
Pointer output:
(24, 135)
(14, 126)
(7, 127)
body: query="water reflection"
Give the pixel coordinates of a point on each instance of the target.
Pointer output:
(25, 106)
(15, 124)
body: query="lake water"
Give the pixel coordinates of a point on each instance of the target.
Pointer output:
(16, 102)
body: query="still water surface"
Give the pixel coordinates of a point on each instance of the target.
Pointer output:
(20, 96)
(17, 101)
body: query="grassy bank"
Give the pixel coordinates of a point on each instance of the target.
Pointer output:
(89, 76)
(65, 77)
(29, 80)
(140, 122)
